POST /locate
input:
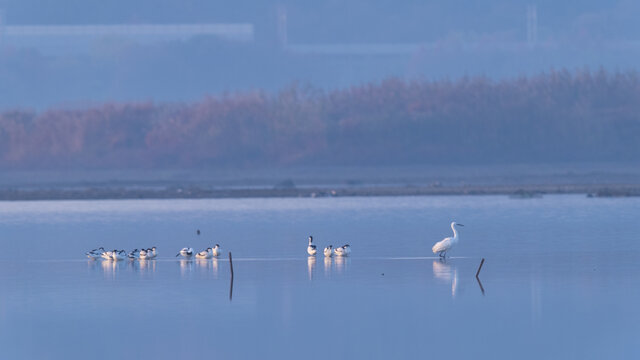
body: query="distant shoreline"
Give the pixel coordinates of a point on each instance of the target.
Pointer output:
(514, 191)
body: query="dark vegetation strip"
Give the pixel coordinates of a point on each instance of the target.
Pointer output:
(558, 116)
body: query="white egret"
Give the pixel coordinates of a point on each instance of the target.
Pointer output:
(444, 245)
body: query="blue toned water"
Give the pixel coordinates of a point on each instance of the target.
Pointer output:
(561, 279)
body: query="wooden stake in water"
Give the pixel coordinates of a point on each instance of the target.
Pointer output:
(231, 284)
(480, 267)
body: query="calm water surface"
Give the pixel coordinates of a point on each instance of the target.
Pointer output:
(561, 279)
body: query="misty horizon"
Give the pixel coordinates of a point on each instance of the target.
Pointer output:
(72, 54)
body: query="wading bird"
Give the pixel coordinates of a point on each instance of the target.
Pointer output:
(328, 251)
(311, 249)
(186, 253)
(95, 253)
(444, 245)
(205, 254)
(118, 255)
(216, 250)
(343, 250)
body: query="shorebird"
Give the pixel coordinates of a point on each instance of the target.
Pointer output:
(328, 251)
(107, 254)
(95, 253)
(343, 250)
(118, 255)
(216, 251)
(205, 254)
(134, 254)
(186, 253)
(311, 249)
(444, 245)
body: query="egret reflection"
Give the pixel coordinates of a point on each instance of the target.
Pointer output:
(311, 263)
(447, 274)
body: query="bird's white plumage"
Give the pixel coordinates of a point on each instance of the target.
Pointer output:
(444, 245)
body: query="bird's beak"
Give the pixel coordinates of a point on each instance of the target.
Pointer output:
(459, 224)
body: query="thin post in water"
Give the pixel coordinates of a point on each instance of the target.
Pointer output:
(479, 267)
(231, 283)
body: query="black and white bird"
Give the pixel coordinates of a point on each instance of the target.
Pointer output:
(133, 255)
(118, 255)
(311, 249)
(186, 253)
(343, 250)
(205, 254)
(107, 254)
(95, 253)
(328, 251)
(147, 254)
(216, 251)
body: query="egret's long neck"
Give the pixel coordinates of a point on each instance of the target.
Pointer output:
(455, 233)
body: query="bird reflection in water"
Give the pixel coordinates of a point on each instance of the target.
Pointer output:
(311, 263)
(110, 267)
(147, 266)
(214, 267)
(447, 274)
(186, 267)
(208, 266)
(342, 262)
(327, 266)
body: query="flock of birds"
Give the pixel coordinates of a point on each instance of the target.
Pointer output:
(440, 248)
(329, 251)
(150, 253)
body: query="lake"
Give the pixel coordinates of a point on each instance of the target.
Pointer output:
(561, 279)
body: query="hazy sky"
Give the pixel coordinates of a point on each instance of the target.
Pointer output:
(329, 44)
